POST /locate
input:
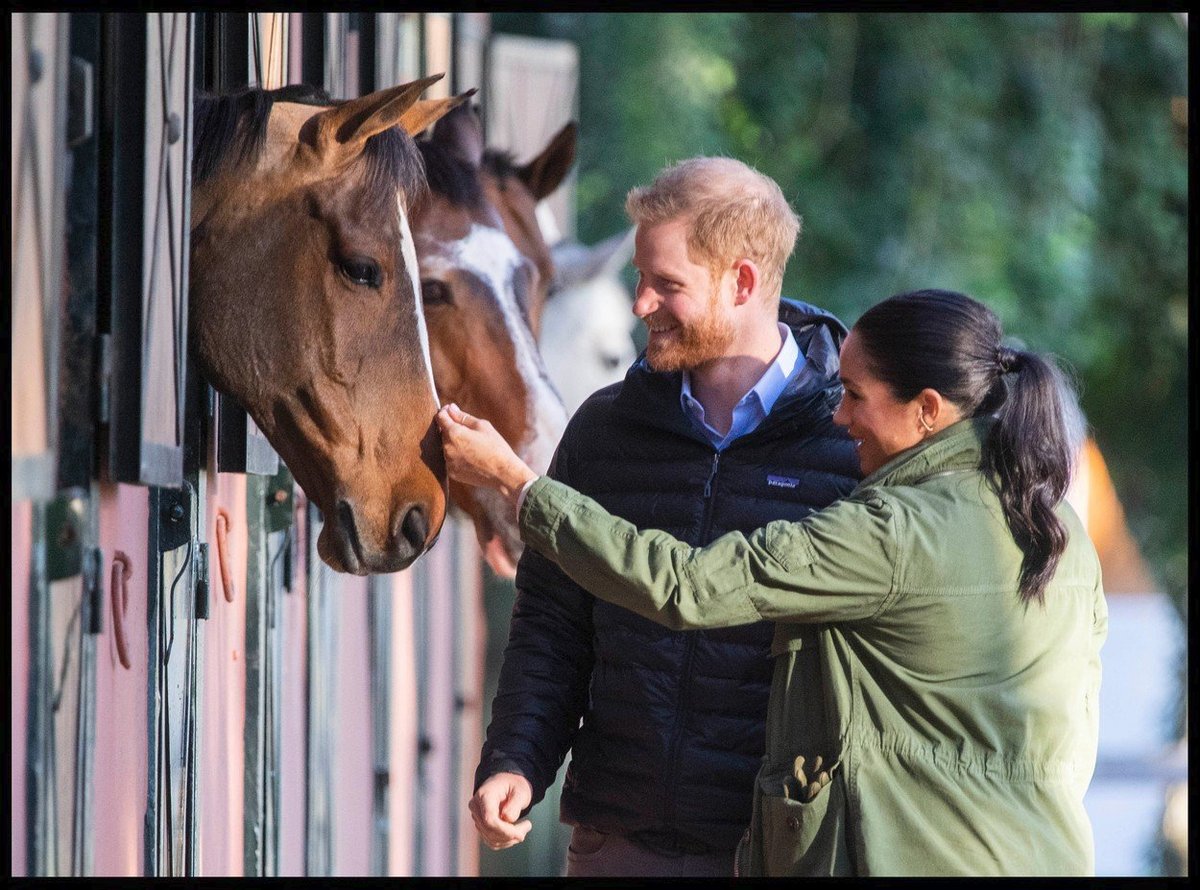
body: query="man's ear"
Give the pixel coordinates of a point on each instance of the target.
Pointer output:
(746, 280)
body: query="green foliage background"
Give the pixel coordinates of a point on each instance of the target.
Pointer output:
(1032, 160)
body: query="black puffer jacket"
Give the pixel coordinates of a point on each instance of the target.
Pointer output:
(673, 722)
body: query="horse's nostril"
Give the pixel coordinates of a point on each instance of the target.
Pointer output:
(414, 528)
(345, 521)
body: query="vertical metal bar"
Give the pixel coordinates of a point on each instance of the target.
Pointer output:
(151, 851)
(38, 839)
(420, 607)
(380, 624)
(319, 720)
(257, 668)
(458, 684)
(275, 641)
(192, 729)
(86, 719)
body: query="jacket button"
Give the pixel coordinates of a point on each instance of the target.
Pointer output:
(793, 823)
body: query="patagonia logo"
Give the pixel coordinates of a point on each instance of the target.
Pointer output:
(782, 481)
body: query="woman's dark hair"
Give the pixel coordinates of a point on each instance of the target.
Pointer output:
(948, 342)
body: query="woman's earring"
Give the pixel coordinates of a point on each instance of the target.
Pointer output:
(924, 423)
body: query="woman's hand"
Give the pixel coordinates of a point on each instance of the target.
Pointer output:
(478, 455)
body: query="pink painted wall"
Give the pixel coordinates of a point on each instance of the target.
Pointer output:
(293, 708)
(353, 786)
(22, 544)
(402, 737)
(223, 711)
(121, 713)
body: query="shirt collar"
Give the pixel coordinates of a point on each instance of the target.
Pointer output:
(771, 384)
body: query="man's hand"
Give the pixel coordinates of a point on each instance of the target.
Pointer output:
(496, 806)
(478, 455)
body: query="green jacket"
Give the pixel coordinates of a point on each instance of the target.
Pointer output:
(962, 725)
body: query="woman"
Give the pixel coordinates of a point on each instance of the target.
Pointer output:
(933, 709)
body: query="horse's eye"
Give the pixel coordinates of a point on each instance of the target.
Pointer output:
(363, 271)
(434, 292)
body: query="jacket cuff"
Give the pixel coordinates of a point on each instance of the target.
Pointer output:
(542, 511)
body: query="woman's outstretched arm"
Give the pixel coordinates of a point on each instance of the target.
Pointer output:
(837, 564)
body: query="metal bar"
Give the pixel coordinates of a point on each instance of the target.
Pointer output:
(420, 607)
(380, 626)
(82, 843)
(194, 737)
(36, 766)
(257, 679)
(154, 709)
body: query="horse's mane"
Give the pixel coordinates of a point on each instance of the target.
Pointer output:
(235, 125)
(450, 176)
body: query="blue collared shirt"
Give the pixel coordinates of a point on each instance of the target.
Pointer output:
(755, 405)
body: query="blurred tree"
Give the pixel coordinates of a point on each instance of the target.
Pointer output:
(1029, 159)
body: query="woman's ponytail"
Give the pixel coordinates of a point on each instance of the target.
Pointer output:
(1029, 453)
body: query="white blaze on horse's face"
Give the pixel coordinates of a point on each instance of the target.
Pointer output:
(490, 255)
(408, 251)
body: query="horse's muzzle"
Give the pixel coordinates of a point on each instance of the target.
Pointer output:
(347, 545)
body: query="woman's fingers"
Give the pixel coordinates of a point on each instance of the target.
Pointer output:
(458, 415)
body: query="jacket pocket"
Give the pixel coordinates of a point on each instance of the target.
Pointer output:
(802, 838)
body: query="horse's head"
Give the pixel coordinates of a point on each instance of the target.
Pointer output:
(515, 190)
(477, 289)
(586, 339)
(305, 304)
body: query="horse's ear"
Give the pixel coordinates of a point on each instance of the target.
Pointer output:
(614, 252)
(546, 172)
(342, 131)
(460, 133)
(424, 113)
(576, 263)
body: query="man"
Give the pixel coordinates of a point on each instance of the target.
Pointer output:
(724, 424)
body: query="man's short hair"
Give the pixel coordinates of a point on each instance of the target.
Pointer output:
(732, 210)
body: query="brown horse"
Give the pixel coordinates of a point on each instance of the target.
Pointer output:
(305, 304)
(515, 190)
(479, 290)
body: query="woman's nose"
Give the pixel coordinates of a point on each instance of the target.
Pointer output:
(839, 416)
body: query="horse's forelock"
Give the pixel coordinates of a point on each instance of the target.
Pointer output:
(394, 164)
(449, 176)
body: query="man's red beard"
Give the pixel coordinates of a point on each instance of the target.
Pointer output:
(688, 346)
